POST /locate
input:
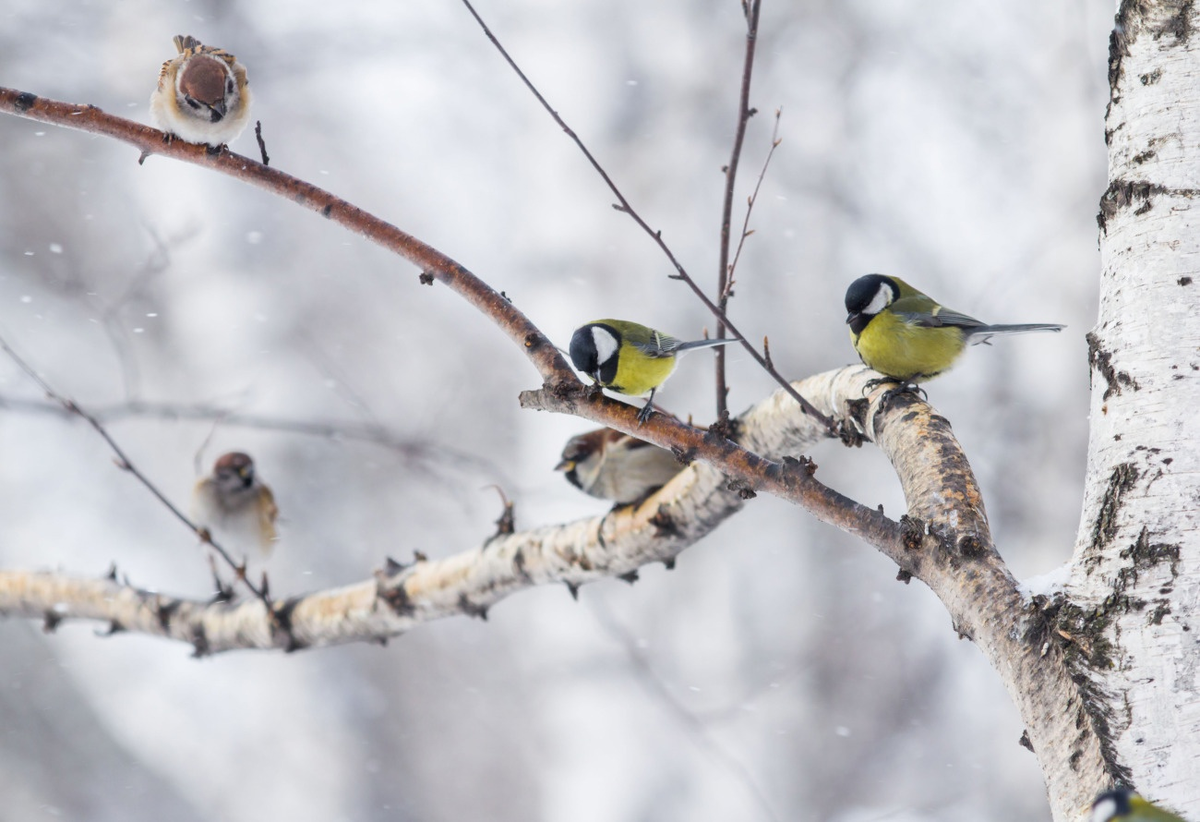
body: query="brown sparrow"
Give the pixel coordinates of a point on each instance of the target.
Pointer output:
(202, 95)
(610, 465)
(236, 506)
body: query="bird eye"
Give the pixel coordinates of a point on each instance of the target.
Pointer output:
(229, 86)
(191, 102)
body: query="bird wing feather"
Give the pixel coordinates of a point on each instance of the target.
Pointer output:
(924, 313)
(268, 512)
(657, 344)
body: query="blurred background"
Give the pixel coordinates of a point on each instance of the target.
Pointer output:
(780, 672)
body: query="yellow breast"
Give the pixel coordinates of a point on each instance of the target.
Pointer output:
(907, 352)
(636, 376)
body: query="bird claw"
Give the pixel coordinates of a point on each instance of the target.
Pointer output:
(901, 387)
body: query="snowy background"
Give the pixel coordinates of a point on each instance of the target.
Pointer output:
(779, 672)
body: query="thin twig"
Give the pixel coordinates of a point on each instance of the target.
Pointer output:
(724, 275)
(125, 464)
(262, 146)
(750, 201)
(417, 449)
(624, 206)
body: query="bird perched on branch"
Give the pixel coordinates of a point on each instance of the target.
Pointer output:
(629, 358)
(907, 336)
(203, 95)
(610, 465)
(234, 504)
(1124, 805)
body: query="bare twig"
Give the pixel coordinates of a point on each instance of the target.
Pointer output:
(262, 146)
(623, 205)
(417, 449)
(750, 201)
(724, 274)
(125, 464)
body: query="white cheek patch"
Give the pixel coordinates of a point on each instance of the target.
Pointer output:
(1104, 810)
(606, 344)
(881, 300)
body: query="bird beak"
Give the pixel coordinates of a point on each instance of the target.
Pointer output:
(218, 109)
(850, 318)
(565, 465)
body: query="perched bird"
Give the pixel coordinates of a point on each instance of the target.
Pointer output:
(203, 95)
(906, 336)
(629, 358)
(610, 465)
(236, 506)
(1124, 805)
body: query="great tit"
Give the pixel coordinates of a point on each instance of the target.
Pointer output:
(610, 465)
(1124, 805)
(629, 358)
(906, 336)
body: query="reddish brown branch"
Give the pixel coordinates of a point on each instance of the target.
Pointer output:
(544, 356)
(739, 464)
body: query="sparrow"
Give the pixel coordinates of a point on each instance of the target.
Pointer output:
(203, 95)
(236, 506)
(610, 465)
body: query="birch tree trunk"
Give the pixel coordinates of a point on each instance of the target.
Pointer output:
(1134, 590)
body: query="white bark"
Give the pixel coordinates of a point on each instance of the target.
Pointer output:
(1135, 584)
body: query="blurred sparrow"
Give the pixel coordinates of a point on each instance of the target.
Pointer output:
(236, 506)
(614, 466)
(202, 96)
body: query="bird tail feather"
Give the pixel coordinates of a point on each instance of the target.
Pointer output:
(986, 332)
(687, 346)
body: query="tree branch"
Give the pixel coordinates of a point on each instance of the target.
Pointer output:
(432, 456)
(559, 380)
(735, 155)
(624, 206)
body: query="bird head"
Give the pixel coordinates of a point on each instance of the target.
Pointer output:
(594, 351)
(234, 472)
(207, 86)
(867, 296)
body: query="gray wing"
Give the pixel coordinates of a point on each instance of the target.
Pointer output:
(657, 345)
(942, 317)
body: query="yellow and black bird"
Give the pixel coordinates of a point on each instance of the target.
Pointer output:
(629, 358)
(907, 336)
(1124, 805)
(607, 464)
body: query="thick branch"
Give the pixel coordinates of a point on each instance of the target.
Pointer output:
(468, 583)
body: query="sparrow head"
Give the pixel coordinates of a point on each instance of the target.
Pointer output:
(207, 86)
(234, 472)
(594, 351)
(609, 465)
(582, 453)
(866, 297)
